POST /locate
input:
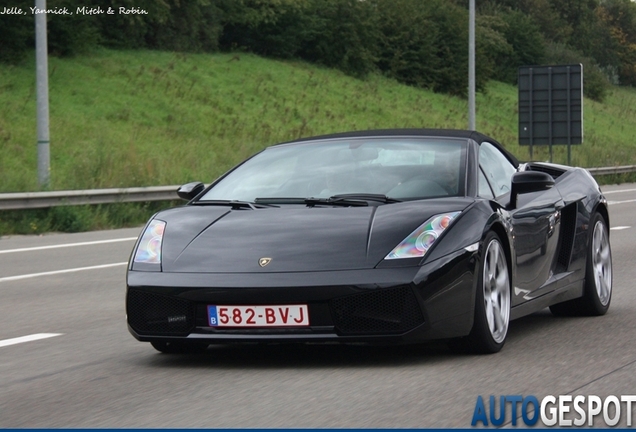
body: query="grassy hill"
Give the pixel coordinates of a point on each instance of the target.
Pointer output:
(144, 118)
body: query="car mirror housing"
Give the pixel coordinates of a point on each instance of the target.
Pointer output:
(190, 190)
(529, 181)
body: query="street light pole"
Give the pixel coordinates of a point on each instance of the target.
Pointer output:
(471, 65)
(42, 84)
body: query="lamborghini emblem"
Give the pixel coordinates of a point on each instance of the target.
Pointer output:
(264, 261)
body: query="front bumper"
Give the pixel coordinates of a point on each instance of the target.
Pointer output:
(389, 305)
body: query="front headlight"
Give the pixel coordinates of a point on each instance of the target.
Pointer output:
(149, 249)
(420, 241)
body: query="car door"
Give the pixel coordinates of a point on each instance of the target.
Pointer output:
(535, 220)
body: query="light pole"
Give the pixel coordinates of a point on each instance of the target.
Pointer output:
(42, 84)
(471, 65)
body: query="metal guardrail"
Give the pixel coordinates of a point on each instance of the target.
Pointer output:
(627, 169)
(31, 200)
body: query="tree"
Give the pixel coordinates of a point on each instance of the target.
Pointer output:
(407, 43)
(620, 18)
(16, 37)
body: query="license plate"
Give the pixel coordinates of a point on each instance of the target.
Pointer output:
(258, 316)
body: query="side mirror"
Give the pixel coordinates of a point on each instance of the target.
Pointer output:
(190, 190)
(529, 181)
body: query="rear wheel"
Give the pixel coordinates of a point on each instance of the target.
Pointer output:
(178, 347)
(597, 291)
(492, 300)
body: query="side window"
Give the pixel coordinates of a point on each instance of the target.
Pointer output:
(496, 167)
(484, 187)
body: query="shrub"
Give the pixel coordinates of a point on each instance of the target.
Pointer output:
(595, 82)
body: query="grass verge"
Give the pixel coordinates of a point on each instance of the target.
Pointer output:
(146, 118)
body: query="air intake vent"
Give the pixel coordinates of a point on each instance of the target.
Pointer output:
(390, 311)
(568, 227)
(554, 172)
(154, 314)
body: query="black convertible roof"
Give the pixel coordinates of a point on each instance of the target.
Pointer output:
(450, 133)
(453, 133)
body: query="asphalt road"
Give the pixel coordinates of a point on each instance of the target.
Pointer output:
(83, 368)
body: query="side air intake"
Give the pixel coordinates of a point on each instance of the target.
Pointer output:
(566, 239)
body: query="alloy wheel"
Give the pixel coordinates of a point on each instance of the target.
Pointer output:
(602, 263)
(496, 291)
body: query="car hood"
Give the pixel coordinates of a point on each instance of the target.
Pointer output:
(213, 239)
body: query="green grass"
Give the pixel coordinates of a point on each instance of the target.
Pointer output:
(145, 118)
(78, 218)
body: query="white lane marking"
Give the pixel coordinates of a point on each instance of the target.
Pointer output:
(68, 245)
(55, 272)
(29, 338)
(620, 228)
(621, 202)
(618, 191)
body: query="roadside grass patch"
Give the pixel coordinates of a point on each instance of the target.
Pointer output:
(147, 118)
(79, 218)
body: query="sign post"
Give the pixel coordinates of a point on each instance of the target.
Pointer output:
(42, 84)
(551, 106)
(471, 66)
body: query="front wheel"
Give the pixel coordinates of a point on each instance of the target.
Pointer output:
(492, 300)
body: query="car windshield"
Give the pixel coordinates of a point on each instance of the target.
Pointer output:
(397, 168)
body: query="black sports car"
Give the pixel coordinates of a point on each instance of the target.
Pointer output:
(391, 236)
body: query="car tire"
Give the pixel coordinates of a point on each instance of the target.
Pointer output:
(492, 301)
(597, 289)
(178, 347)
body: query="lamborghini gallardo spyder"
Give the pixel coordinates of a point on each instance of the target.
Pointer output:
(388, 236)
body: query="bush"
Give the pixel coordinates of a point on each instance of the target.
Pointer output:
(191, 26)
(336, 33)
(426, 44)
(527, 43)
(276, 29)
(451, 44)
(344, 35)
(16, 37)
(595, 82)
(407, 43)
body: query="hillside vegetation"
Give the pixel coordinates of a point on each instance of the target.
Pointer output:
(420, 43)
(123, 119)
(144, 118)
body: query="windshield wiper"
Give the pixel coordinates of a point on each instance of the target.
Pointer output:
(279, 200)
(367, 197)
(235, 204)
(352, 199)
(338, 201)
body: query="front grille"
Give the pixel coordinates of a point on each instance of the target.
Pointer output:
(150, 313)
(389, 311)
